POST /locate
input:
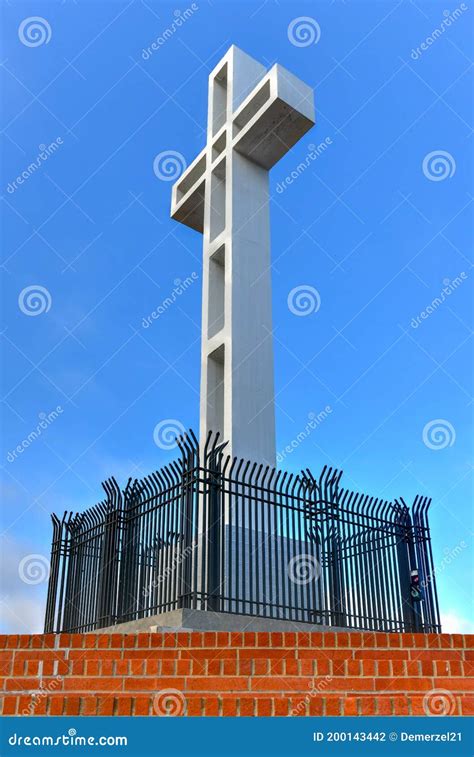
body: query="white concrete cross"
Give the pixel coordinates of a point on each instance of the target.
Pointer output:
(254, 118)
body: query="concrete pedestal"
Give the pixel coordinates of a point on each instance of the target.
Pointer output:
(205, 620)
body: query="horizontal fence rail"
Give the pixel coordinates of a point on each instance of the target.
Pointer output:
(210, 532)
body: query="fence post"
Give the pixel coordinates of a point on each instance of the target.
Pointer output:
(109, 564)
(186, 593)
(70, 574)
(331, 497)
(214, 482)
(406, 560)
(425, 565)
(57, 549)
(415, 606)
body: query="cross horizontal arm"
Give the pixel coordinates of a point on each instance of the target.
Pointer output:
(187, 203)
(274, 116)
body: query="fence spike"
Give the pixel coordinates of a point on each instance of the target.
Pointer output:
(194, 440)
(159, 480)
(187, 445)
(239, 467)
(206, 444)
(149, 487)
(288, 482)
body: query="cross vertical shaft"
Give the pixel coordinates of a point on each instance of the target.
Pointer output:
(254, 117)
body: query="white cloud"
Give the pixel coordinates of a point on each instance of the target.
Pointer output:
(452, 622)
(21, 615)
(22, 604)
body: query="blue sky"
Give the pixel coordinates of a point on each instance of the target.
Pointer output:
(376, 224)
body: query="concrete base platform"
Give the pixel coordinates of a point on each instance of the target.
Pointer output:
(206, 620)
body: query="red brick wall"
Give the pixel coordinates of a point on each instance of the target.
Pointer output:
(237, 674)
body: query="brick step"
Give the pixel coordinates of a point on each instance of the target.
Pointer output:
(231, 640)
(227, 655)
(289, 666)
(208, 683)
(241, 674)
(213, 705)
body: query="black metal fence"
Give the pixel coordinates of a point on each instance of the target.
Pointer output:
(213, 533)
